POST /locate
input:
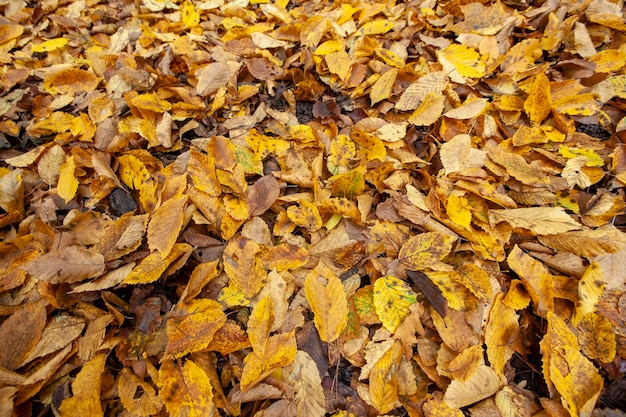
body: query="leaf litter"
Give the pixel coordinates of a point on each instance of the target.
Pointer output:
(293, 208)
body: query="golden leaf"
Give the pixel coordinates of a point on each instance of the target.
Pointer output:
(538, 105)
(185, 389)
(70, 81)
(136, 395)
(86, 389)
(590, 288)
(305, 215)
(375, 27)
(165, 225)
(463, 60)
(280, 350)
(539, 282)
(565, 368)
(328, 302)
(384, 380)
(596, 337)
(190, 327)
(371, 147)
(500, 333)
(154, 265)
(243, 265)
(429, 110)
(68, 184)
(425, 249)
(338, 62)
(392, 299)
(348, 185)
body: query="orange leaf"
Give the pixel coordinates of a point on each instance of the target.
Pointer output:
(191, 327)
(70, 81)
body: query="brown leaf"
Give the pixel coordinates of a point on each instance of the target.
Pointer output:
(70, 264)
(17, 342)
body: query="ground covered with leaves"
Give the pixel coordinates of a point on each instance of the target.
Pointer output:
(303, 208)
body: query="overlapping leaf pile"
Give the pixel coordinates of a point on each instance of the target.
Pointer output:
(281, 208)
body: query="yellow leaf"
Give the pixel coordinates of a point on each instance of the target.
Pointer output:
(463, 366)
(574, 376)
(383, 379)
(280, 350)
(328, 47)
(376, 27)
(49, 45)
(465, 60)
(202, 172)
(134, 172)
(243, 265)
(383, 86)
(165, 225)
(539, 102)
(539, 220)
(326, 296)
(136, 395)
(371, 147)
(609, 60)
(500, 333)
(482, 384)
(458, 210)
(348, 185)
(68, 184)
(539, 282)
(190, 15)
(425, 250)
(392, 299)
(305, 215)
(590, 288)
(593, 159)
(596, 337)
(389, 57)
(154, 265)
(190, 327)
(86, 387)
(452, 290)
(185, 389)
(429, 110)
(338, 62)
(342, 153)
(151, 102)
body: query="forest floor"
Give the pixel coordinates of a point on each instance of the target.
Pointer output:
(307, 208)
